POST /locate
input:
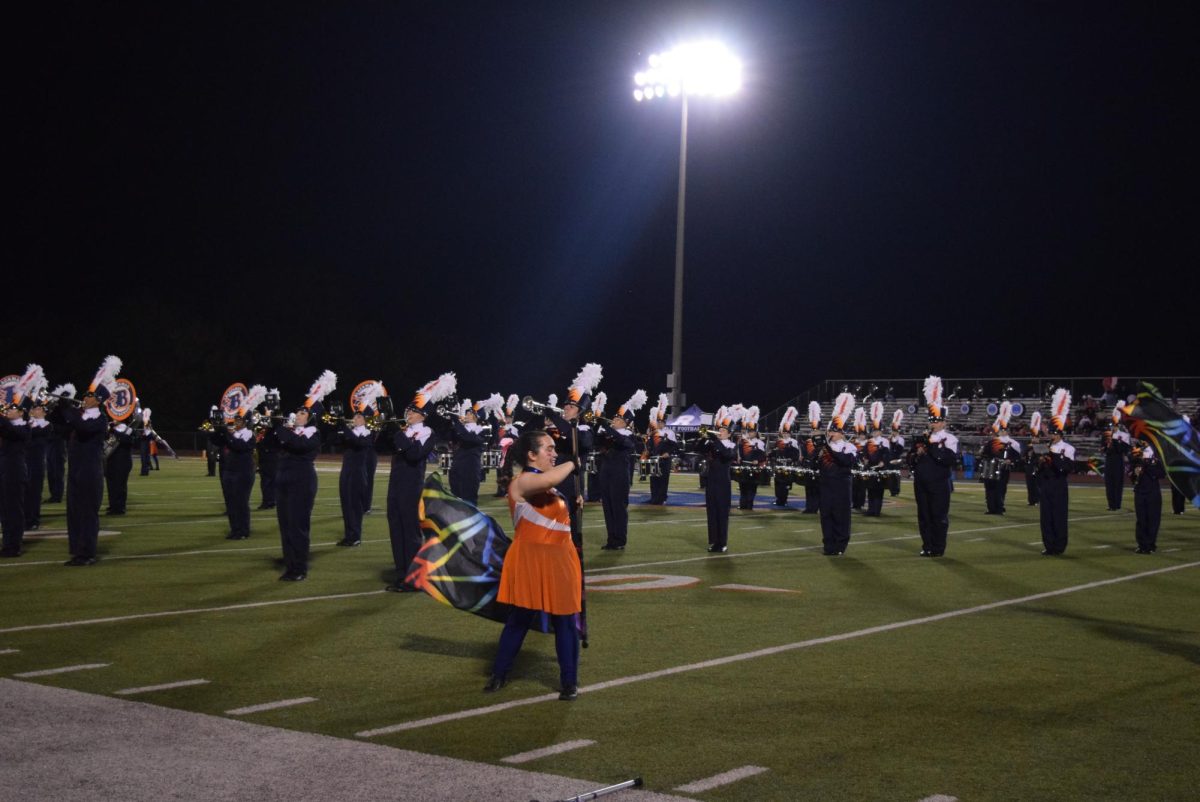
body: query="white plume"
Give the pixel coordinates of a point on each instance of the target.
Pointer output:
(493, 405)
(635, 402)
(67, 390)
(110, 368)
(789, 418)
(254, 396)
(599, 402)
(660, 409)
(897, 419)
(552, 400)
(814, 414)
(325, 384)
(877, 414)
(842, 409)
(1035, 422)
(860, 419)
(933, 394)
(510, 406)
(371, 394)
(29, 382)
(443, 386)
(751, 417)
(1060, 407)
(588, 378)
(146, 417)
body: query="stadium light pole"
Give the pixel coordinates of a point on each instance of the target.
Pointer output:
(702, 69)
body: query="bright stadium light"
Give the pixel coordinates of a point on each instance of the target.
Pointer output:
(705, 69)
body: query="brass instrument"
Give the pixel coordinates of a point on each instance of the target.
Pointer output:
(538, 408)
(707, 430)
(52, 401)
(592, 417)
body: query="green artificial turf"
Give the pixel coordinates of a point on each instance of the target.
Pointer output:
(1093, 694)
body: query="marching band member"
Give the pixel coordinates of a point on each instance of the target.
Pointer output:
(146, 442)
(835, 460)
(237, 455)
(1145, 469)
(56, 449)
(614, 475)
(810, 454)
(85, 469)
(858, 482)
(752, 456)
(35, 459)
(1053, 469)
(541, 572)
(412, 445)
(877, 454)
(786, 452)
(1004, 451)
(593, 476)
(466, 441)
(571, 442)
(1116, 448)
(267, 446)
(933, 459)
(719, 452)
(895, 453)
(117, 467)
(14, 468)
(507, 431)
(661, 445)
(1030, 463)
(358, 442)
(296, 481)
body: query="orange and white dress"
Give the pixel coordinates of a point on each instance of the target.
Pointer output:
(541, 569)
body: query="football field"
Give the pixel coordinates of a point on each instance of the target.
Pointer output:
(769, 672)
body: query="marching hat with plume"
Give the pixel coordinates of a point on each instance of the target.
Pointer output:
(876, 414)
(897, 419)
(368, 398)
(586, 382)
(599, 403)
(789, 419)
(325, 384)
(27, 386)
(250, 402)
(1060, 411)
(934, 401)
(860, 420)
(1001, 422)
(843, 408)
(426, 399)
(814, 414)
(493, 405)
(635, 402)
(510, 405)
(659, 413)
(750, 419)
(100, 386)
(1035, 423)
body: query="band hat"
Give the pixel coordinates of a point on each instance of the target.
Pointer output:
(253, 398)
(493, 405)
(843, 408)
(934, 402)
(860, 420)
(897, 419)
(876, 414)
(750, 419)
(27, 386)
(510, 405)
(586, 382)
(1035, 423)
(1060, 410)
(814, 414)
(789, 419)
(426, 398)
(659, 413)
(100, 387)
(635, 402)
(599, 403)
(1001, 422)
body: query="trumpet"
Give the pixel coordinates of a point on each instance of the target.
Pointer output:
(52, 401)
(592, 417)
(538, 408)
(708, 431)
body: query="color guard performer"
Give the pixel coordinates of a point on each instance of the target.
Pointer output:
(877, 454)
(1053, 469)
(617, 442)
(997, 455)
(933, 458)
(296, 483)
(237, 455)
(785, 454)
(412, 446)
(661, 446)
(1115, 447)
(810, 454)
(835, 460)
(1145, 469)
(718, 452)
(752, 458)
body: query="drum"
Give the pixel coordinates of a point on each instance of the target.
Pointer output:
(591, 464)
(990, 469)
(643, 468)
(764, 477)
(656, 467)
(445, 460)
(493, 458)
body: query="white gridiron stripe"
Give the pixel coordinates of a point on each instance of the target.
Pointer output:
(46, 672)
(244, 711)
(9, 651)
(767, 652)
(717, 780)
(167, 613)
(535, 754)
(166, 686)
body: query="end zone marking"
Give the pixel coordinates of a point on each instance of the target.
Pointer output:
(724, 778)
(243, 711)
(753, 588)
(166, 686)
(45, 672)
(546, 751)
(766, 652)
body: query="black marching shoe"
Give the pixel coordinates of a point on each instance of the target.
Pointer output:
(611, 547)
(714, 549)
(495, 683)
(926, 553)
(293, 576)
(78, 561)
(569, 693)
(400, 587)
(13, 552)
(348, 543)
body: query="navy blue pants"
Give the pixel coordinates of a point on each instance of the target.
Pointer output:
(615, 499)
(835, 514)
(1114, 488)
(295, 492)
(566, 644)
(13, 486)
(1148, 506)
(1052, 499)
(236, 487)
(933, 513)
(56, 469)
(352, 490)
(85, 491)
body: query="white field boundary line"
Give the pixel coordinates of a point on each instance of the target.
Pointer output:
(724, 778)
(166, 686)
(46, 672)
(546, 751)
(767, 652)
(244, 711)
(9, 651)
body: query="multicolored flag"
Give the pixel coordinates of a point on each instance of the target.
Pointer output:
(1175, 440)
(463, 555)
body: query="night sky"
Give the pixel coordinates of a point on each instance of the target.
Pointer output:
(256, 192)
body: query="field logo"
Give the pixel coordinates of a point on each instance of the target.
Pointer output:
(7, 385)
(121, 403)
(356, 402)
(231, 400)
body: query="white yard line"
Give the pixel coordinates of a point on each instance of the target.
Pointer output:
(166, 686)
(9, 651)
(245, 711)
(547, 751)
(717, 780)
(46, 672)
(767, 652)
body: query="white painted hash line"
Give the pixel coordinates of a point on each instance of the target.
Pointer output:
(245, 711)
(546, 751)
(9, 651)
(166, 686)
(717, 780)
(46, 672)
(767, 652)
